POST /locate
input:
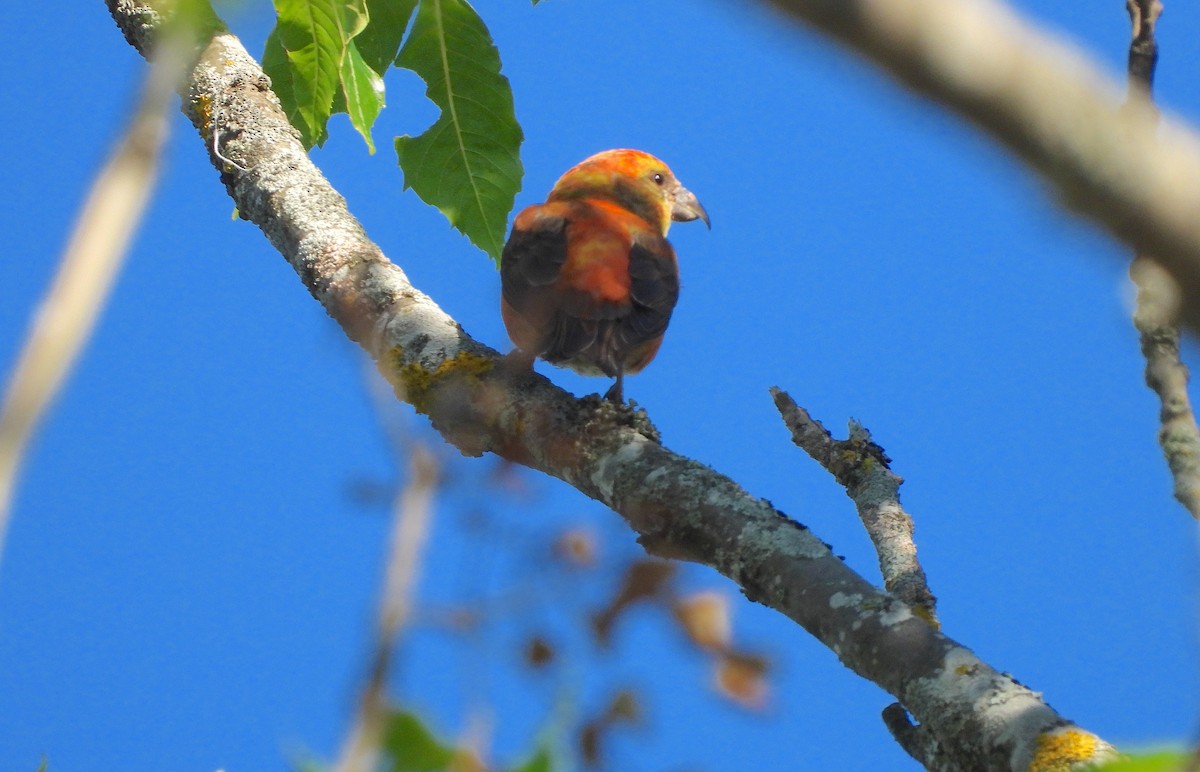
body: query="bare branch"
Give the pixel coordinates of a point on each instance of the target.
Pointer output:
(1048, 104)
(1166, 374)
(981, 718)
(861, 467)
(1158, 301)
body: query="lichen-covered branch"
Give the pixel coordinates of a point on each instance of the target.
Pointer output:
(1157, 306)
(979, 718)
(1048, 104)
(862, 468)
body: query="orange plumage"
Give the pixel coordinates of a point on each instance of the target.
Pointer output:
(588, 278)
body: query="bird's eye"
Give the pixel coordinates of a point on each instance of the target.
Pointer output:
(658, 178)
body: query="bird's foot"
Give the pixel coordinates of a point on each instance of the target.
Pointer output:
(616, 393)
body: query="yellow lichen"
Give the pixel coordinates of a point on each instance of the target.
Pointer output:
(204, 111)
(414, 382)
(927, 614)
(1064, 749)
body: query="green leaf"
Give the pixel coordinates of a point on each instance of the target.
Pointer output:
(539, 762)
(1157, 761)
(467, 164)
(304, 58)
(413, 747)
(380, 41)
(354, 18)
(363, 91)
(275, 65)
(311, 765)
(198, 16)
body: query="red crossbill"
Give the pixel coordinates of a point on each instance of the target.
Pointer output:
(588, 278)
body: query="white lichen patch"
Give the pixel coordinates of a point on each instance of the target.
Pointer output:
(760, 539)
(958, 661)
(419, 315)
(845, 600)
(604, 478)
(655, 476)
(897, 613)
(1013, 714)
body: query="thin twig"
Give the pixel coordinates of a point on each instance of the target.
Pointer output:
(861, 467)
(89, 265)
(1157, 306)
(1143, 48)
(412, 508)
(1167, 376)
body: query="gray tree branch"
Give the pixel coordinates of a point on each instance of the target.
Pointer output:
(862, 468)
(977, 717)
(1157, 311)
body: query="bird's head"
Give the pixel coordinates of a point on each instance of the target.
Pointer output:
(637, 181)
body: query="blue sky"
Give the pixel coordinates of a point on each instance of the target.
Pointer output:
(187, 583)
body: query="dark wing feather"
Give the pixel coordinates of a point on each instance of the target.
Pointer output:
(654, 290)
(532, 257)
(529, 267)
(573, 337)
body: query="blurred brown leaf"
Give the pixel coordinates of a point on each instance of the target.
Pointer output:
(576, 548)
(741, 678)
(643, 580)
(625, 707)
(589, 743)
(538, 652)
(705, 617)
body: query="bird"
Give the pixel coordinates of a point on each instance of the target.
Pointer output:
(588, 278)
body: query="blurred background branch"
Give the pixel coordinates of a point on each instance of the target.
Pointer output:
(89, 265)
(412, 511)
(1046, 102)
